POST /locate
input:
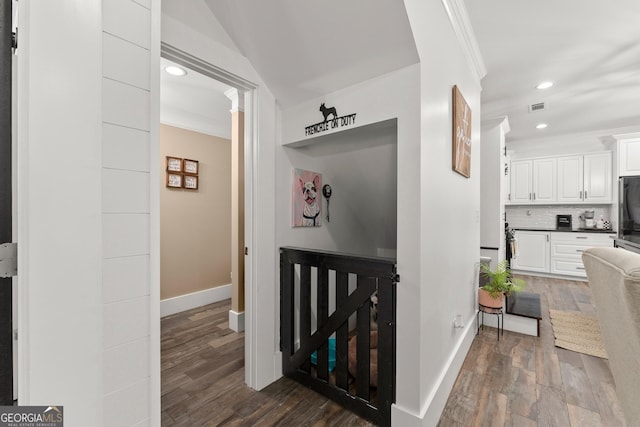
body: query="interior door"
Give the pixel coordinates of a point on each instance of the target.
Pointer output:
(6, 340)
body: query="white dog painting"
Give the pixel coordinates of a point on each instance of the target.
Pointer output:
(306, 198)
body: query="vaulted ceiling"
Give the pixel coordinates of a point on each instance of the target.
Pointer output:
(590, 49)
(305, 49)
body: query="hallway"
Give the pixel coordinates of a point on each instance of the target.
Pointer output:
(521, 381)
(203, 380)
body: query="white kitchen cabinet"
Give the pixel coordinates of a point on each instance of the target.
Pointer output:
(570, 179)
(629, 156)
(521, 182)
(533, 181)
(544, 180)
(567, 249)
(532, 252)
(597, 178)
(585, 178)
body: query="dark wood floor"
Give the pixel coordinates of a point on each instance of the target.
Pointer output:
(203, 380)
(521, 381)
(525, 381)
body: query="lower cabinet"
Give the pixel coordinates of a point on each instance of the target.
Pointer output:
(567, 249)
(532, 252)
(555, 252)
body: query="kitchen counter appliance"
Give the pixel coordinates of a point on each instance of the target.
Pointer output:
(588, 220)
(563, 223)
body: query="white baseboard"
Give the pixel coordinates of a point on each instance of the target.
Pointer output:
(236, 321)
(436, 401)
(193, 300)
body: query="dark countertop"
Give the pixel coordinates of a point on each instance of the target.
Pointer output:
(577, 230)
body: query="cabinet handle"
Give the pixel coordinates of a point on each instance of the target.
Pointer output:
(579, 250)
(509, 198)
(579, 268)
(581, 237)
(534, 196)
(585, 195)
(530, 198)
(581, 195)
(547, 237)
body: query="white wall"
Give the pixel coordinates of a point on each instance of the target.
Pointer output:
(449, 217)
(362, 171)
(493, 181)
(58, 230)
(129, 208)
(85, 128)
(395, 95)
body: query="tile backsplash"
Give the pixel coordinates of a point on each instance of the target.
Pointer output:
(545, 216)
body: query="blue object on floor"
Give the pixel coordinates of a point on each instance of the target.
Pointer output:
(332, 355)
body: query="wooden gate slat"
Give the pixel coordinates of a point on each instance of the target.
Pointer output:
(342, 334)
(305, 310)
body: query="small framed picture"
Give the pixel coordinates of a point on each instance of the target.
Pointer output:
(191, 182)
(190, 166)
(174, 164)
(174, 180)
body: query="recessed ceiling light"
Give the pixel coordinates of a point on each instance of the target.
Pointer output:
(544, 85)
(541, 126)
(175, 71)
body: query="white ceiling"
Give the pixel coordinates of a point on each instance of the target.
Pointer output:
(195, 102)
(590, 49)
(302, 50)
(305, 49)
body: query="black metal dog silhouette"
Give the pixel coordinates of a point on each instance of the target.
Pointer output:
(327, 111)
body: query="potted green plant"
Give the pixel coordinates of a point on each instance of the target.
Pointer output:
(500, 283)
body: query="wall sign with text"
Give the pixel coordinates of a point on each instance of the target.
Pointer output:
(182, 173)
(461, 134)
(333, 123)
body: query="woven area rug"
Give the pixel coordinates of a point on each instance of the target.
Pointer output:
(577, 332)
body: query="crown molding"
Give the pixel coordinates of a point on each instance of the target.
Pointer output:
(459, 19)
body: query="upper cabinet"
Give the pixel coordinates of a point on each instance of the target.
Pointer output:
(597, 178)
(585, 179)
(629, 156)
(564, 179)
(521, 182)
(533, 181)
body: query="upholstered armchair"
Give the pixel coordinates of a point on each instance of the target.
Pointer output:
(614, 278)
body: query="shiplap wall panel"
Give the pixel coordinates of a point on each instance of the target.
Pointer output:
(125, 62)
(127, 407)
(128, 20)
(126, 364)
(125, 148)
(125, 105)
(125, 191)
(125, 278)
(125, 235)
(125, 321)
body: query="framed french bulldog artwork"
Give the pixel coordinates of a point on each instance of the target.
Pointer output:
(306, 198)
(461, 134)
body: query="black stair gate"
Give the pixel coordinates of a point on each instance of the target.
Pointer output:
(373, 275)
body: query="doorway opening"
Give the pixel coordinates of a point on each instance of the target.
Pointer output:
(205, 196)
